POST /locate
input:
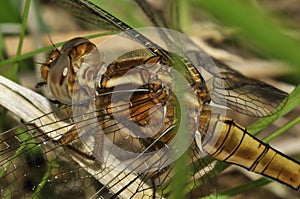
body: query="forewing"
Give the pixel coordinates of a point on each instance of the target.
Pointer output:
(238, 92)
(227, 86)
(31, 165)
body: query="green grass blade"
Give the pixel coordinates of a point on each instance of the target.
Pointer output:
(43, 182)
(258, 27)
(282, 130)
(2, 48)
(292, 103)
(46, 49)
(12, 73)
(242, 188)
(23, 30)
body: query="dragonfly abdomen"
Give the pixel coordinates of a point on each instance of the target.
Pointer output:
(232, 143)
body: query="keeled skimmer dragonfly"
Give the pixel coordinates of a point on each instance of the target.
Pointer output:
(132, 108)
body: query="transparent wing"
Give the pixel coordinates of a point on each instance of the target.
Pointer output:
(227, 86)
(240, 93)
(61, 147)
(90, 13)
(35, 164)
(54, 157)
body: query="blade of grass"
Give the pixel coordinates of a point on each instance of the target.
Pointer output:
(24, 146)
(2, 48)
(43, 182)
(242, 188)
(12, 73)
(47, 48)
(293, 102)
(258, 27)
(19, 150)
(179, 180)
(179, 14)
(23, 30)
(282, 130)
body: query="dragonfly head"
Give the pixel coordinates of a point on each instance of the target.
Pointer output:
(58, 71)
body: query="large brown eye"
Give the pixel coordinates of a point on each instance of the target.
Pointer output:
(53, 55)
(72, 43)
(58, 78)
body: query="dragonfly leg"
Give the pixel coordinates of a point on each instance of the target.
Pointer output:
(69, 136)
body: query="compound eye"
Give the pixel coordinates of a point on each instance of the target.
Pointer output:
(52, 56)
(72, 43)
(58, 79)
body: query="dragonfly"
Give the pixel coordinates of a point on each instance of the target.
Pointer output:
(119, 121)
